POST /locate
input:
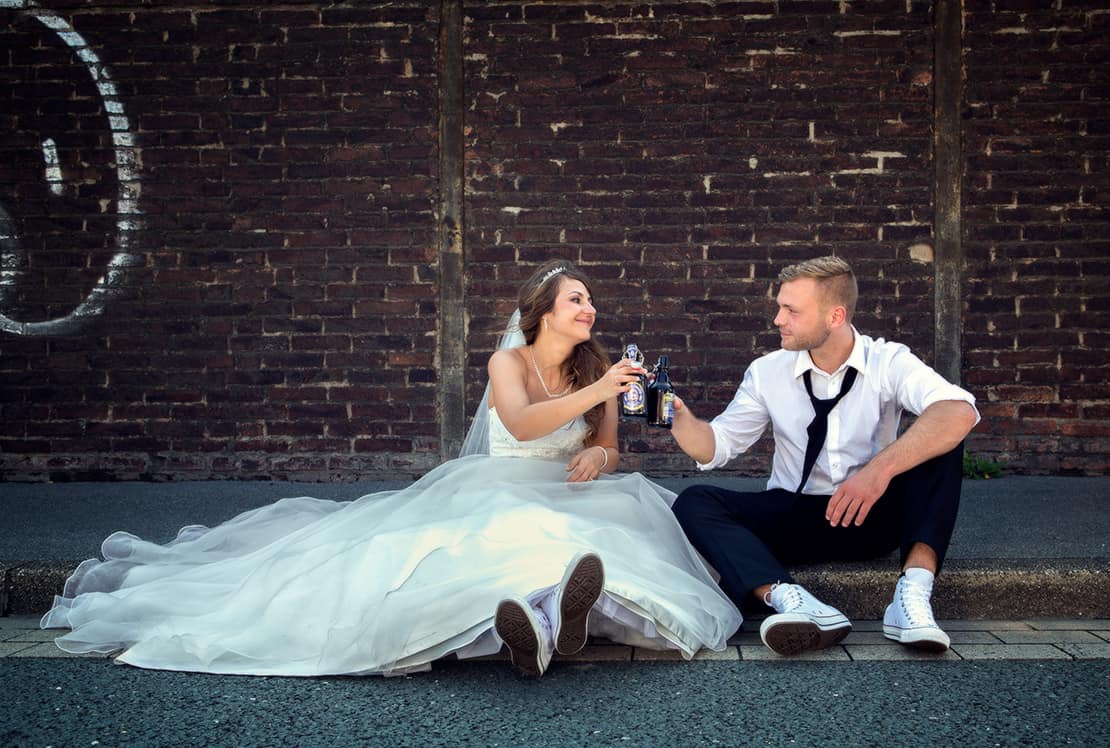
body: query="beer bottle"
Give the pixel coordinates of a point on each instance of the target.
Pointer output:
(660, 397)
(632, 404)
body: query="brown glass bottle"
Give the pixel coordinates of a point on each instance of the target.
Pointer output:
(660, 396)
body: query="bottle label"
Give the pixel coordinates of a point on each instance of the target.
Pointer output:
(666, 408)
(633, 400)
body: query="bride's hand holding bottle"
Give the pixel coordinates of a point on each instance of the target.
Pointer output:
(616, 380)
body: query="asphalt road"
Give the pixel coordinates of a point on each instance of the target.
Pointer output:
(93, 702)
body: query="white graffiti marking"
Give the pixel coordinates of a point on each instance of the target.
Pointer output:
(53, 171)
(127, 202)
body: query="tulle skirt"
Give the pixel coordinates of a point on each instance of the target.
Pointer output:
(393, 580)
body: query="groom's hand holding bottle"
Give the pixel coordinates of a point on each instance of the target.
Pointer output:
(694, 436)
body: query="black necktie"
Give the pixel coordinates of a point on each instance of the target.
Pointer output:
(818, 428)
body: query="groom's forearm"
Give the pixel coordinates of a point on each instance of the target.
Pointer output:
(694, 436)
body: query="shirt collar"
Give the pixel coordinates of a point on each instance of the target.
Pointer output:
(857, 359)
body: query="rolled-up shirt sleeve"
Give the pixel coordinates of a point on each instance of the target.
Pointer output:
(740, 425)
(918, 386)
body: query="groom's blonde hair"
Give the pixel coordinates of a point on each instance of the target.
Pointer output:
(834, 277)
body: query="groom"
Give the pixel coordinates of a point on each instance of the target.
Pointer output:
(843, 484)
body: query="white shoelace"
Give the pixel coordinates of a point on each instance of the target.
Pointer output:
(788, 597)
(914, 599)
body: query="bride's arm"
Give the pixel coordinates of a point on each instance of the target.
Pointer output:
(602, 455)
(526, 420)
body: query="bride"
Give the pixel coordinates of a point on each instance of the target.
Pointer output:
(527, 540)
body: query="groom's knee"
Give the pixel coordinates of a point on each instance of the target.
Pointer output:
(692, 505)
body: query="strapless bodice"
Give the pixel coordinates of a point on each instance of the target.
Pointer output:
(562, 443)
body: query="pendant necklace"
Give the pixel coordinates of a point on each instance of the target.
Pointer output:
(543, 383)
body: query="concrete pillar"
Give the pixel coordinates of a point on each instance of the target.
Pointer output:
(948, 161)
(451, 338)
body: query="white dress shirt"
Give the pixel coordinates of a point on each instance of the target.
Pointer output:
(891, 379)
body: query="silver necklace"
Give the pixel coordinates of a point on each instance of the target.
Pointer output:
(543, 383)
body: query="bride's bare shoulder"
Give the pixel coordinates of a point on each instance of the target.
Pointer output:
(508, 358)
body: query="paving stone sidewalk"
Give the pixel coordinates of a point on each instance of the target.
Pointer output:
(1037, 639)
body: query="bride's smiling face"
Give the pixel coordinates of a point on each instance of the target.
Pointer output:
(573, 314)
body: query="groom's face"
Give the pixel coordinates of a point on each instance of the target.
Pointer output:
(802, 318)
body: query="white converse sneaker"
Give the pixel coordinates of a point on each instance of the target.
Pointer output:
(526, 633)
(802, 622)
(909, 619)
(574, 598)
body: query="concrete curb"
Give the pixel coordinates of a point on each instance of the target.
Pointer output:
(29, 587)
(974, 589)
(978, 589)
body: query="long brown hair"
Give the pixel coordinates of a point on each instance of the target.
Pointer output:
(587, 362)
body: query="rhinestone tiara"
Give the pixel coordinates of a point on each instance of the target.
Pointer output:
(551, 274)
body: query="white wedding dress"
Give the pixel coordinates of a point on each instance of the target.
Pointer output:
(394, 580)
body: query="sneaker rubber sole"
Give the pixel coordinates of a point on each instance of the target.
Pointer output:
(924, 640)
(788, 635)
(580, 589)
(517, 628)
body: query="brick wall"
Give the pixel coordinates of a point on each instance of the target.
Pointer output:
(684, 152)
(282, 320)
(262, 185)
(1037, 238)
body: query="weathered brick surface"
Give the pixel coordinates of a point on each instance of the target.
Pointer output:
(1036, 234)
(283, 323)
(282, 320)
(686, 152)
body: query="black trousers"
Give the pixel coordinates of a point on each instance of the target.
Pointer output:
(750, 537)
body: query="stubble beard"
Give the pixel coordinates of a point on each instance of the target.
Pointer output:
(807, 343)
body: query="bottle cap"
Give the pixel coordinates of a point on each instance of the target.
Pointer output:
(633, 353)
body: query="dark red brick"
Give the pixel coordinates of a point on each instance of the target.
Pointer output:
(289, 215)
